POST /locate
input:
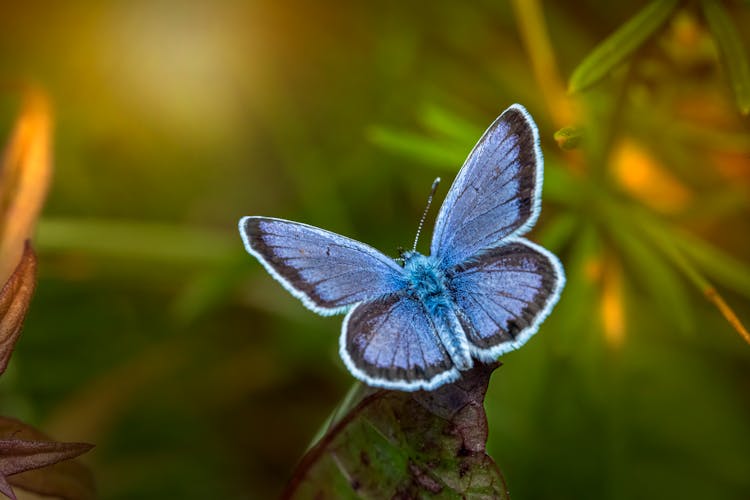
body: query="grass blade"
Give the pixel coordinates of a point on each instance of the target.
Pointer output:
(725, 269)
(450, 124)
(132, 240)
(582, 266)
(612, 51)
(665, 243)
(418, 147)
(554, 235)
(655, 275)
(732, 51)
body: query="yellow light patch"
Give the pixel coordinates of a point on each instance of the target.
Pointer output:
(612, 305)
(646, 179)
(25, 173)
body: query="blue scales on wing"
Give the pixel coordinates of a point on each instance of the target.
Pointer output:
(328, 272)
(497, 192)
(392, 342)
(504, 294)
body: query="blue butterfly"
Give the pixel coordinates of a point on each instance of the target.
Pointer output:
(482, 291)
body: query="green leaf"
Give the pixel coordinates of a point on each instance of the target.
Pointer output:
(429, 151)
(719, 266)
(569, 138)
(356, 393)
(396, 444)
(208, 290)
(694, 255)
(562, 186)
(556, 233)
(615, 49)
(655, 275)
(574, 312)
(665, 241)
(732, 51)
(132, 239)
(450, 124)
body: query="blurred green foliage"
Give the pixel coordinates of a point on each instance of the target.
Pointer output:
(154, 336)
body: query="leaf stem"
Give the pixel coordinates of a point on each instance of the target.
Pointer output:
(658, 236)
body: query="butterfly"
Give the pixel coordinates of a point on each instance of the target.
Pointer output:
(418, 323)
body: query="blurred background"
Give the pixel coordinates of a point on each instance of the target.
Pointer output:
(154, 335)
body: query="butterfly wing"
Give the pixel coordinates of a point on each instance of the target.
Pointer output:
(392, 342)
(496, 193)
(326, 271)
(504, 294)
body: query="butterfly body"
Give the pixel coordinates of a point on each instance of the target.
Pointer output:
(482, 291)
(429, 284)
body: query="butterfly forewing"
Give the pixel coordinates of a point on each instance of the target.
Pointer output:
(392, 342)
(504, 294)
(328, 272)
(496, 193)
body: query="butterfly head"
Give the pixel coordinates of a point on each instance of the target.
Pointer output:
(406, 255)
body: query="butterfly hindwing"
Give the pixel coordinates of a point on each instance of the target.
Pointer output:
(504, 294)
(391, 342)
(328, 272)
(496, 193)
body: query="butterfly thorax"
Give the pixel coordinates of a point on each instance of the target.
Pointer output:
(426, 280)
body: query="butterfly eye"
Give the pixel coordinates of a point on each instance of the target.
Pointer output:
(401, 255)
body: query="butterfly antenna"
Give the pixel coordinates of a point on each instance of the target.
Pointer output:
(426, 209)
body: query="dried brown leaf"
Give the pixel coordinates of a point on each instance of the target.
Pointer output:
(31, 461)
(14, 302)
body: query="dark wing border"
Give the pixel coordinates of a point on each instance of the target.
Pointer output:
(521, 337)
(530, 219)
(434, 381)
(305, 296)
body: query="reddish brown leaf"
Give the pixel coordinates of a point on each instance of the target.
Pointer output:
(14, 302)
(30, 461)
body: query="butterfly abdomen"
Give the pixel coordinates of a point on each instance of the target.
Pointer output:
(427, 282)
